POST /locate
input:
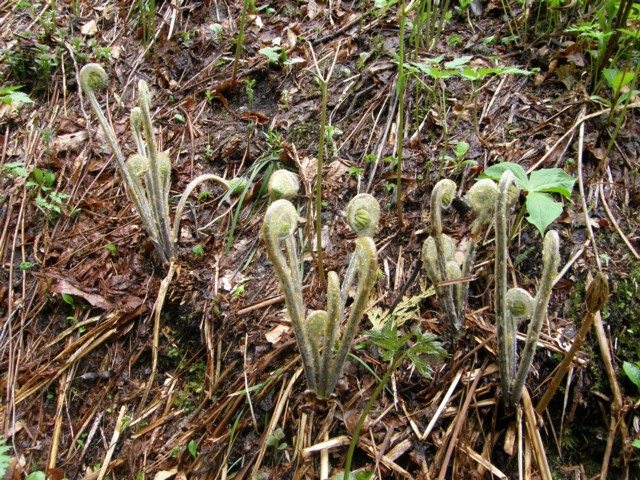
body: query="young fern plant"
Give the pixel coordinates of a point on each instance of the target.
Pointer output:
(447, 276)
(147, 174)
(322, 349)
(517, 304)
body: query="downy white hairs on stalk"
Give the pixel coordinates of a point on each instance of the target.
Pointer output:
(147, 174)
(322, 349)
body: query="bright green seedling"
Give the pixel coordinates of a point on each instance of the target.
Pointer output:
(322, 349)
(446, 274)
(147, 174)
(517, 304)
(539, 185)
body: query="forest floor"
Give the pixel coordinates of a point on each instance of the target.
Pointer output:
(117, 366)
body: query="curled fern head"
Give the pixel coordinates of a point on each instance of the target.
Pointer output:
(315, 325)
(520, 303)
(283, 184)
(137, 165)
(280, 221)
(445, 191)
(93, 77)
(363, 214)
(136, 119)
(237, 185)
(453, 270)
(483, 195)
(164, 164)
(430, 252)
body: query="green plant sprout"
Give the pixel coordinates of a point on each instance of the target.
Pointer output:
(147, 174)
(318, 332)
(517, 304)
(539, 185)
(450, 279)
(420, 348)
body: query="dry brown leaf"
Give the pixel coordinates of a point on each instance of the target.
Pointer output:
(63, 286)
(90, 28)
(165, 474)
(274, 335)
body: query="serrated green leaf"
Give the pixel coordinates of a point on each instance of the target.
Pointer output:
(470, 74)
(495, 172)
(19, 97)
(458, 62)
(423, 367)
(554, 180)
(632, 370)
(542, 210)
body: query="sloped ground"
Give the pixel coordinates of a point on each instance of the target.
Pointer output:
(95, 384)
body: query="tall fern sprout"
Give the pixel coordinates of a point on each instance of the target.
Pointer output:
(147, 174)
(438, 250)
(322, 348)
(517, 304)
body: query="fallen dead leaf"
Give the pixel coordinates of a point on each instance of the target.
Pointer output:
(63, 286)
(90, 28)
(165, 474)
(274, 335)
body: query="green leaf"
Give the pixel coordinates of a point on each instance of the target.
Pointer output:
(19, 97)
(553, 180)
(36, 476)
(616, 79)
(272, 53)
(112, 248)
(495, 172)
(68, 299)
(636, 443)
(193, 448)
(461, 149)
(632, 370)
(542, 210)
(458, 62)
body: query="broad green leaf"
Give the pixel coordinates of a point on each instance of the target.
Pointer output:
(542, 210)
(616, 79)
(272, 53)
(470, 74)
(553, 180)
(633, 372)
(636, 443)
(461, 149)
(36, 476)
(495, 172)
(458, 62)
